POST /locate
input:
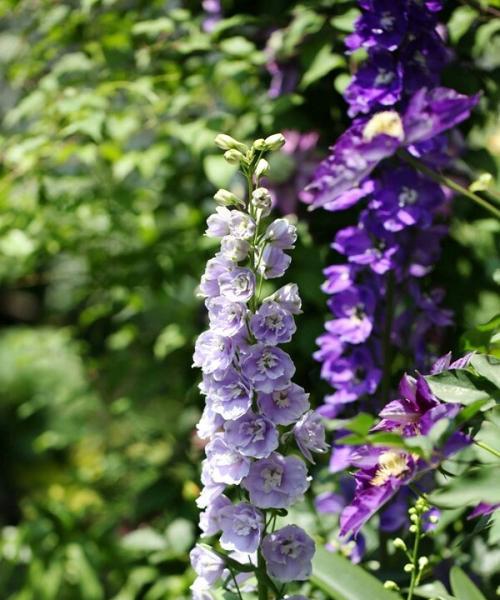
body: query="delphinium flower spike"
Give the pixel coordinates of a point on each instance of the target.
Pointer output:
(379, 298)
(260, 432)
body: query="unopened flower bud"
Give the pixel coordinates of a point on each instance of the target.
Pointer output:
(226, 142)
(262, 168)
(413, 529)
(414, 518)
(261, 200)
(275, 141)
(260, 145)
(399, 544)
(233, 156)
(433, 518)
(482, 183)
(408, 568)
(391, 585)
(226, 198)
(423, 561)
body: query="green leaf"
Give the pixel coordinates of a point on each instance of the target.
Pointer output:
(145, 540)
(342, 580)
(457, 386)
(484, 338)
(474, 486)
(434, 590)
(488, 367)
(461, 20)
(462, 586)
(323, 62)
(218, 170)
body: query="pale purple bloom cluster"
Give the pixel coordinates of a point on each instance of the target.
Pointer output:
(377, 296)
(252, 406)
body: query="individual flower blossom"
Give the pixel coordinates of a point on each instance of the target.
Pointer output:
(226, 317)
(338, 278)
(483, 509)
(242, 525)
(218, 223)
(237, 284)
(224, 464)
(309, 433)
(262, 201)
(207, 565)
(285, 406)
(241, 225)
(273, 262)
(210, 519)
(213, 352)
(354, 311)
(268, 367)
(234, 249)
(213, 14)
(276, 482)
(288, 553)
(281, 234)
(272, 324)
(251, 435)
(209, 285)
(210, 422)
(229, 394)
(288, 298)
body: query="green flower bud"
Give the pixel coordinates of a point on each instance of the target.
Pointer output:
(423, 561)
(408, 568)
(260, 145)
(391, 585)
(399, 544)
(262, 168)
(226, 198)
(413, 529)
(226, 142)
(233, 156)
(275, 141)
(482, 183)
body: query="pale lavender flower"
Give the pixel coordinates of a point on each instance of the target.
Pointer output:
(284, 406)
(213, 352)
(200, 590)
(251, 435)
(281, 234)
(288, 553)
(272, 324)
(241, 225)
(218, 223)
(206, 564)
(242, 525)
(224, 464)
(268, 367)
(273, 262)
(209, 423)
(226, 317)
(209, 285)
(234, 249)
(230, 394)
(237, 284)
(309, 433)
(288, 298)
(210, 519)
(276, 482)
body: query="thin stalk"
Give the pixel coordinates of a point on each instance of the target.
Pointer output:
(233, 576)
(448, 182)
(386, 342)
(487, 448)
(414, 560)
(262, 591)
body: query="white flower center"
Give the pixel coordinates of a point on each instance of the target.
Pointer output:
(390, 464)
(387, 20)
(387, 122)
(266, 361)
(407, 196)
(291, 548)
(281, 399)
(384, 76)
(272, 478)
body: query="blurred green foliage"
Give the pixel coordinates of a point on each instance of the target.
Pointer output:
(107, 166)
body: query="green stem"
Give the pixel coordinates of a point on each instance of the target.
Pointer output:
(487, 448)
(233, 576)
(414, 560)
(261, 584)
(386, 342)
(448, 182)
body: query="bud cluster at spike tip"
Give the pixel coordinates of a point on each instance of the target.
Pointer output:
(378, 296)
(257, 422)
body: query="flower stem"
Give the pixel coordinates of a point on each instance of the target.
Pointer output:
(261, 584)
(487, 448)
(448, 182)
(414, 560)
(386, 342)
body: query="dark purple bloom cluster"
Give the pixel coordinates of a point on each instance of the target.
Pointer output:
(253, 409)
(377, 296)
(383, 472)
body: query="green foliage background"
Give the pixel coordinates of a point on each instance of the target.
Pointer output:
(107, 167)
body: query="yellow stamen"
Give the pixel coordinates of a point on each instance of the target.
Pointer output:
(387, 122)
(391, 464)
